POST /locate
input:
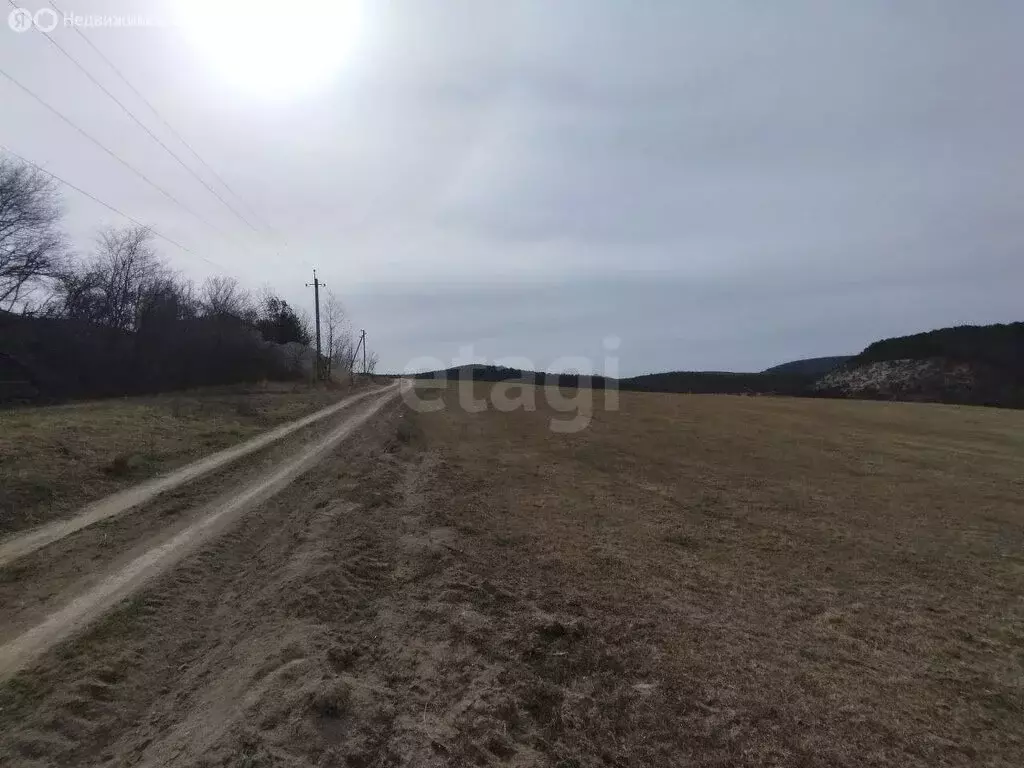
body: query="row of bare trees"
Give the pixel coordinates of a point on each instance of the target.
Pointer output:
(340, 343)
(125, 286)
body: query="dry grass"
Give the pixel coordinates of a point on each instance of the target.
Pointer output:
(54, 459)
(706, 581)
(715, 580)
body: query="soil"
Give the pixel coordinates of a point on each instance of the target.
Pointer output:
(691, 581)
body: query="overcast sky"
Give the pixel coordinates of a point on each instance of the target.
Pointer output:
(719, 185)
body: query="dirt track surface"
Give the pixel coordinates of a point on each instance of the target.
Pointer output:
(22, 544)
(89, 604)
(236, 639)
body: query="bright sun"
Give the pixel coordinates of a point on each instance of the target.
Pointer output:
(272, 48)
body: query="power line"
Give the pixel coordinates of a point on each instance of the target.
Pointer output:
(168, 126)
(142, 125)
(110, 152)
(108, 206)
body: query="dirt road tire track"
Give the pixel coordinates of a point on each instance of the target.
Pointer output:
(225, 644)
(25, 543)
(34, 586)
(85, 608)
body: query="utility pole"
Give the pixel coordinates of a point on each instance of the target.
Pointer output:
(355, 354)
(316, 299)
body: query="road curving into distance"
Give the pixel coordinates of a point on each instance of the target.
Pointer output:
(82, 609)
(118, 503)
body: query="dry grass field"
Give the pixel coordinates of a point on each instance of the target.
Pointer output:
(54, 459)
(716, 580)
(692, 580)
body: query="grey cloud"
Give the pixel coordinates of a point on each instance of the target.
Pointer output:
(723, 185)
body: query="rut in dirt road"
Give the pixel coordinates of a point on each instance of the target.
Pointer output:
(119, 503)
(85, 608)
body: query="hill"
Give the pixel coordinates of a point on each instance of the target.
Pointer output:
(1000, 345)
(969, 364)
(480, 372)
(811, 366)
(722, 382)
(977, 365)
(697, 382)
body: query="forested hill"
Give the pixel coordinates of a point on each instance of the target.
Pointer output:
(723, 382)
(481, 372)
(673, 381)
(968, 364)
(965, 364)
(811, 366)
(1000, 346)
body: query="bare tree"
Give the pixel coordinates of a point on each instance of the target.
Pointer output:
(371, 363)
(224, 296)
(305, 324)
(130, 269)
(344, 353)
(112, 287)
(338, 342)
(162, 302)
(31, 247)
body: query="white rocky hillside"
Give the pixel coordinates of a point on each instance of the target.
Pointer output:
(934, 379)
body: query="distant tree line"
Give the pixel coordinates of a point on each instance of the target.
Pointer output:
(1000, 346)
(480, 372)
(120, 320)
(710, 382)
(696, 382)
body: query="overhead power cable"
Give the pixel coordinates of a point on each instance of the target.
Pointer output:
(108, 206)
(170, 127)
(111, 152)
(138, 122)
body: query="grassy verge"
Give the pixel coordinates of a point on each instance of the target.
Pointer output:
(714, 580)
(54, 459)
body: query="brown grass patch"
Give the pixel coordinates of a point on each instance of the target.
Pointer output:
(55, 459)
(714, 580)
(707, 581)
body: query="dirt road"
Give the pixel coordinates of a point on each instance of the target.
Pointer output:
(22, 544)
(84, 608)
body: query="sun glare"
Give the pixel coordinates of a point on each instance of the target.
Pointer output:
(272, 49)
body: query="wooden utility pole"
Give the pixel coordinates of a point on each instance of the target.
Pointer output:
(316, 300)
(355, 354)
